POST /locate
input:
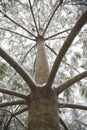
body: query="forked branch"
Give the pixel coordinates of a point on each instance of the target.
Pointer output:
(18, 68)
(65, 47)
(70, 82)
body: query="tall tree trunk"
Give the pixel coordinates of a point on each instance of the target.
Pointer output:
(41, 65)
(43, 112)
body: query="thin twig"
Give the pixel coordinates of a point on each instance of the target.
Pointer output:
(17, 33)
(33, 16)
(5, 15)
(63, 123)
(52, 16)
(27, 53)
(21, 62)
(8, 123)
(20, 111)
(20, 122)
(63, 60)
(56, 34)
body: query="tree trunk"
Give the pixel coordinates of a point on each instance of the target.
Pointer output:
(41, 65)
(43, 112)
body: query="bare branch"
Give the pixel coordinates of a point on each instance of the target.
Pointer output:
(10, 92)
(18, 68)
(20, 111)
(5, 15)
(65, 47)
(70, 82)
(28, 53)
(21, 62)
(63, 123)
(17, 33)
(51, 49)
(8, 123)
(52, 16)
(56, 34)
(11, 103)
(74, 106)
(63, 60)
(33, 16)
(21, 122)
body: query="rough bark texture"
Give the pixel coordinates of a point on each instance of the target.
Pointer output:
(41, 65)
(43, 113)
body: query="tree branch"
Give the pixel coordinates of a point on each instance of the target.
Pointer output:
(22, 62)
(28, 53)
(8, 123)
(20, 111)
(11, 103)
(74, 106)
(21, 122)
(65, 47)
(52, 16)
(56, 34)
(17, 94)
(70, 82)
(33, 16)
(63, 60)
(17, 33)
(5, 15)
(18, 68)
(63, 123)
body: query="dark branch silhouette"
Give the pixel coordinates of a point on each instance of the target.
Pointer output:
(52, 16)
(63, 60)
(63, 123)
(18, 68)
(8, 123)
(20, 111)
(5, 15)
(33, 16)
(10, 92)
(11, 103)
(70, 82)
(21, 62)
(65, 47)
(74, 106)
(56, 34)
(17, 33)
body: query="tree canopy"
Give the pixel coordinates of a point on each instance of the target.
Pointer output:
(21, 22)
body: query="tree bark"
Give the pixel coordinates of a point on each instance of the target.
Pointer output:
(43, 112)
(41, 65)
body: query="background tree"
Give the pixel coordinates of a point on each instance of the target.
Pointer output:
(36, 38)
